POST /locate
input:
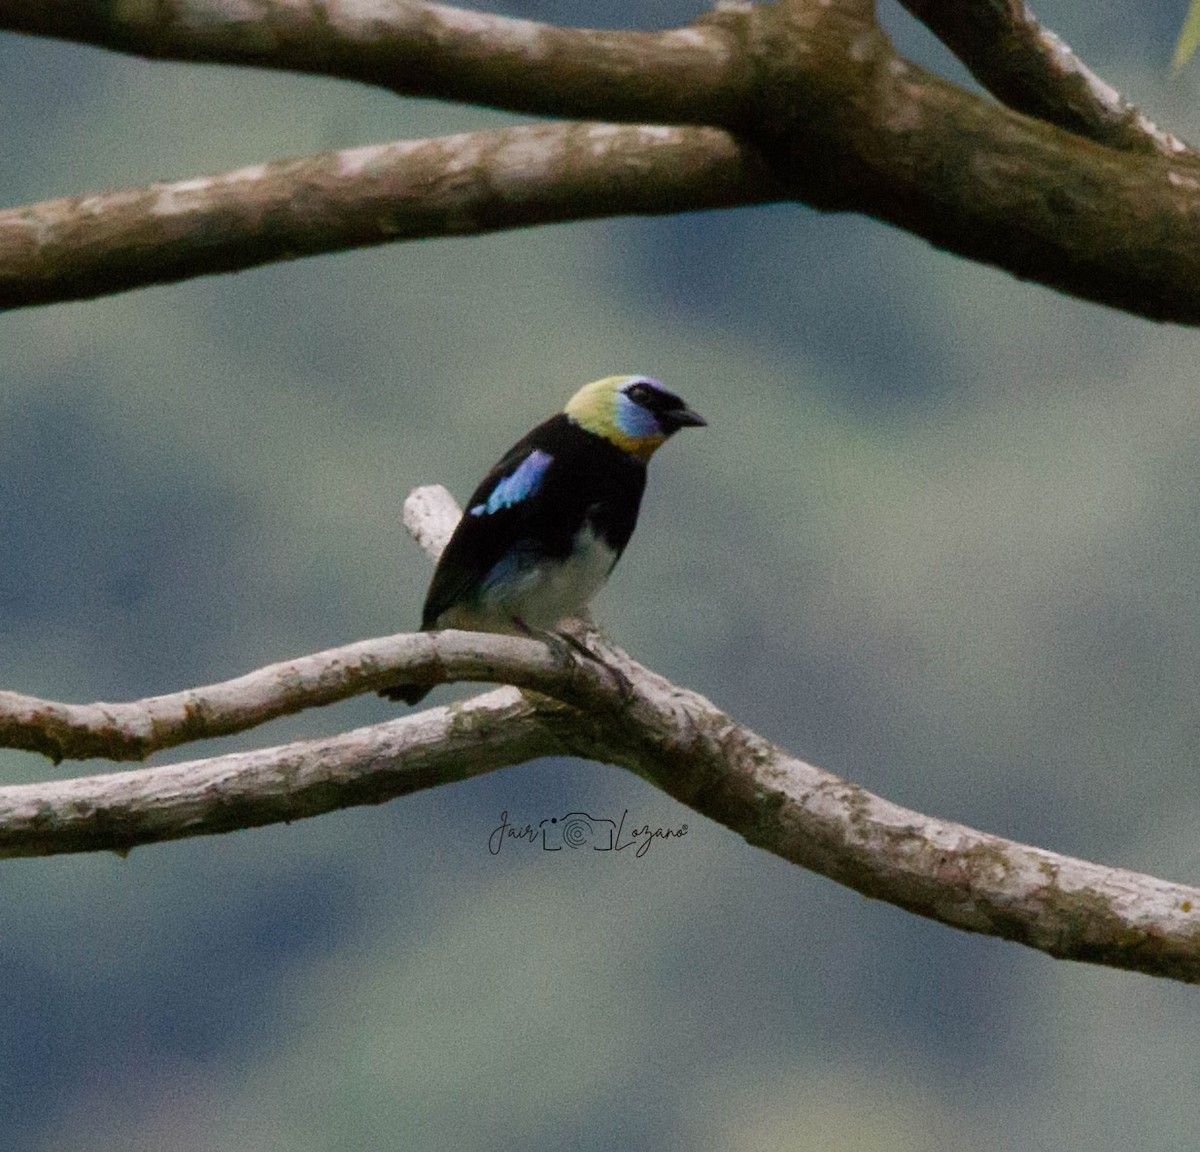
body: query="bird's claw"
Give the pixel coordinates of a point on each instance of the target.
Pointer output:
(622, 683)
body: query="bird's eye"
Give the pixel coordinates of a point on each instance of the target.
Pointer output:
(639, 394)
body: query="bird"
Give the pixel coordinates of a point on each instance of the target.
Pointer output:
(544, 529)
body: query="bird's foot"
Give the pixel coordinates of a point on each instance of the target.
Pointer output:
(574, 634)
(571, 636)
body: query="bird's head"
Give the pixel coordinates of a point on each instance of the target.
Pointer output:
(636, 413)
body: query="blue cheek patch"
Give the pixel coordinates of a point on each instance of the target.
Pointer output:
(518, 485)
(634, 420)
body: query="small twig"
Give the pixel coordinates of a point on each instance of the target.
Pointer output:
(431, 515)
(1034, 71)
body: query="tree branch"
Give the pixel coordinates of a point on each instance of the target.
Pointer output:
(133, 730)
(830, 116)
(472, 183)
(674, 738)
(1032, 70)
(682, 76)
(120, 810)
(947, 872)
(686, 746)
(697, 74)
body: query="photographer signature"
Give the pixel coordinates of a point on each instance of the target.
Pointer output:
(579, 830)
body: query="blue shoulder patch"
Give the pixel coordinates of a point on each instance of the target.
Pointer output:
(518, 485)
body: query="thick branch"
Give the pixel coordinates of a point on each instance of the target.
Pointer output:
(948, 872)
(472, 183)
(839, 121)
(845, 123)
(693, 75)
(690, 749)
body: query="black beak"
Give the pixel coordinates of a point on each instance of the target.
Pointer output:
(677, 418)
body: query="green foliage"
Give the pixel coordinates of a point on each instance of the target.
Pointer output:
(1189, 37)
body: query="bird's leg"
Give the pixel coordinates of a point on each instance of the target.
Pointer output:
(575, 642)
(555, 640)
(563, 637)
(568, 634)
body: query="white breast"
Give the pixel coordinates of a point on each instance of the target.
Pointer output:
(542, 593)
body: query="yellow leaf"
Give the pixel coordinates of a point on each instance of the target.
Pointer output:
(1189, 37)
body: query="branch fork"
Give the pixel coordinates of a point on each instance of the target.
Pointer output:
(798, 100)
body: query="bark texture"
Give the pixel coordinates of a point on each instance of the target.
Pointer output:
(1064, 182)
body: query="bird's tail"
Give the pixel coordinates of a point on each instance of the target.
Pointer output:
(408, 693)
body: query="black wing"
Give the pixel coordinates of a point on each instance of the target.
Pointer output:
(495, 519)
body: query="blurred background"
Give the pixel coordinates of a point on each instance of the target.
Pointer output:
(940, 537)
